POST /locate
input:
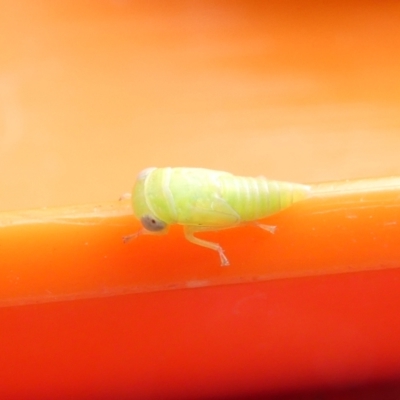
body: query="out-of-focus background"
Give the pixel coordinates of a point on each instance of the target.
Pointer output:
(93, 91)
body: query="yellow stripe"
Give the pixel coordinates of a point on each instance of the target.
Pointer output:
(166, 179)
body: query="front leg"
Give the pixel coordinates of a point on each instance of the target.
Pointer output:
(141, 232)
(190, 230)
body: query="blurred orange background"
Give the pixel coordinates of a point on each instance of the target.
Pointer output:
(91, 92)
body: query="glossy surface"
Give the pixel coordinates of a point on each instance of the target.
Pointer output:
(230, 340)
(77, 252)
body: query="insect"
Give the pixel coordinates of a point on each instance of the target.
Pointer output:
(207, 200)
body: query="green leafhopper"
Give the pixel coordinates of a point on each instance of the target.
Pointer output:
(206, 200)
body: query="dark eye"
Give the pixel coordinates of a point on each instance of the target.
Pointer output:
(152, 224)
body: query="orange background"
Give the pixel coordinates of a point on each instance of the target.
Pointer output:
(91, 92)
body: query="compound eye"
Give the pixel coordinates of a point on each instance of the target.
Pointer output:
(152, 224)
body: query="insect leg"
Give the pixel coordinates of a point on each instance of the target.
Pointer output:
(132, 236)
(140, 232)
(189, 234)
(269, 228)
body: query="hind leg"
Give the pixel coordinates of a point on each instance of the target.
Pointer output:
(269, 228)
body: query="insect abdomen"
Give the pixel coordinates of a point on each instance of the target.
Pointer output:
(256, 198)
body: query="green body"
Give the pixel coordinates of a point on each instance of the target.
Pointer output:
(207, 198)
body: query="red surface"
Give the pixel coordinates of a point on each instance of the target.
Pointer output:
(230, 340)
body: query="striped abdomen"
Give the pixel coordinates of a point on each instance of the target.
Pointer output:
(256, 198)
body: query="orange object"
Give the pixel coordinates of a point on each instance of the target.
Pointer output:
(77, 252)
(196, 330)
